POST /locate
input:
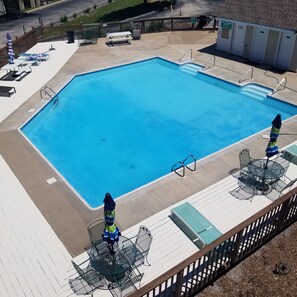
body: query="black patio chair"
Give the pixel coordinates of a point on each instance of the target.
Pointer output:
(88, 279)
(248, 186)
(244, 158)
(280, 187)
(126, 285)
(95, 230)
(137, 255)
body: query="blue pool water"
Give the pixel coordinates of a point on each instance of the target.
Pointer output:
(118, 129)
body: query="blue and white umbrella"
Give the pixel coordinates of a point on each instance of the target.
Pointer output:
(10, 49)
(111, 232)
(272, 147)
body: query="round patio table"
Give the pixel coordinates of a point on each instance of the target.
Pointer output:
(272, 172)
(266, 172)
(113, 265)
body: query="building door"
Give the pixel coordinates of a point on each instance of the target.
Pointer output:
(238, 40)
(259, 44)
(271, 47)
(285, 49)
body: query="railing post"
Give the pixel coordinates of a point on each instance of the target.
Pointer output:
(235, 252)
(283, 214)
(179, 283)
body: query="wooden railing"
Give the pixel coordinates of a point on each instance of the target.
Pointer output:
(21, 44)
(208, 264)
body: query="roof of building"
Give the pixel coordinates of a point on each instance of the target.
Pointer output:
(272, 13)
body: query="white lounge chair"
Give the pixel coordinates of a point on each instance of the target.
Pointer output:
(34, 57)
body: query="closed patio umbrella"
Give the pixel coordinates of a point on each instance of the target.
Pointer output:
(111, 232)
(272, 147)
(10, 49)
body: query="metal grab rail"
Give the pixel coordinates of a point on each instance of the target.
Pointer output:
(174, 168)
(191, 56)
(213, 64)
(280, 84)
(184, 166)
(53, 95)
(252, 73)
(195, 162)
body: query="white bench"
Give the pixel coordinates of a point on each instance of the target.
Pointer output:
(125, 36)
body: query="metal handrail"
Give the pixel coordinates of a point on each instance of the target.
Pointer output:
(191, 51)
(174, 168)
(195, 162)
(252, 73)
(280, 84)
(213, 64)
(53, 95)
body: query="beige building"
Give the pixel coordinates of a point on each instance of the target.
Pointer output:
(261, 31)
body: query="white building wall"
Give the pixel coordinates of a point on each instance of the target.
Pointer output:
(2, 8)
(231, 38)
(225, 29)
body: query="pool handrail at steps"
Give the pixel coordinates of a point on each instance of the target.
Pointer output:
(284, 79)
(191, 56)
(51, 93)
(251, 69)
(213, 57)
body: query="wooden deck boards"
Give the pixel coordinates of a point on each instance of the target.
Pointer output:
(32, 256)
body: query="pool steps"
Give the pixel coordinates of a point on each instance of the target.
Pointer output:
(255, 91)
(190, 68)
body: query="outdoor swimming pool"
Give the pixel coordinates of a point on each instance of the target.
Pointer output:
(118, 129)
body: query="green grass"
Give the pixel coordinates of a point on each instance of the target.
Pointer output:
(119, 10)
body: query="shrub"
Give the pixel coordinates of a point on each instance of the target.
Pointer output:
(74, 15)
(109, 1)
(87, 10)
(64, 19)
(95, 6)
(155, 27)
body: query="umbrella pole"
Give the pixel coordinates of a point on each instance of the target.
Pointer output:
(111, 250)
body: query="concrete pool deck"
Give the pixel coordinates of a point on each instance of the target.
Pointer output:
(65, 212)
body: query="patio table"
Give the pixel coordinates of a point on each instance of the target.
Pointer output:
(113, 266)
(268, 173)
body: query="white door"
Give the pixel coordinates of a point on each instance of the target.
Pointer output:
(238, 40)
(259, 44)
(285, 49)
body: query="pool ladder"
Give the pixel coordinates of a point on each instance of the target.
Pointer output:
(181, 164)
(52, 95)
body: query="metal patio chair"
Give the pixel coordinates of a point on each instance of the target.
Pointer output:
(137, 255)
(279, 187)
(244, 158)
(247, 188)
(126, 285)
(88, 279)
(95, 231)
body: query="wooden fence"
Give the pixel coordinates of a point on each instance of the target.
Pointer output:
(20, 45)
(207, 265)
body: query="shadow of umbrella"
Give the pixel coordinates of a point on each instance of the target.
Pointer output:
(10, 51)
(111, 232)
